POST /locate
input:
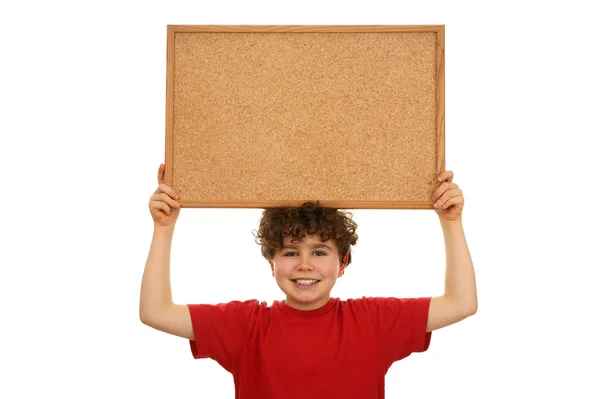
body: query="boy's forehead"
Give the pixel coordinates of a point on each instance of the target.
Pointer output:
(309, 239)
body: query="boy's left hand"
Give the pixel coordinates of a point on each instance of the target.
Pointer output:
(448, 198)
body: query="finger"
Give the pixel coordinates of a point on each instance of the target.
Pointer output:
(446, 175)
(447, 204)
(166, 199)
(454, 195)
(161, 174)
(162, 197)
(158, 206)
(448, 195)
(168, 190)
(442, 189)
(163, 188)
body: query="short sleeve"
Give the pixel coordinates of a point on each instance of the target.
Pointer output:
(219, 330)
(400, 326)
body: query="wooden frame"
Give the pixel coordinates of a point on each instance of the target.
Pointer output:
(409, 186)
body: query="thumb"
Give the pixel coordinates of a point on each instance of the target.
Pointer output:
(161, 174)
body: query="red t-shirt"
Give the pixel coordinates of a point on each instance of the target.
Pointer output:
(341, 350)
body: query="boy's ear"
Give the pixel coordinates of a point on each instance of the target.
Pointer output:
(343, 265)
(272, 270)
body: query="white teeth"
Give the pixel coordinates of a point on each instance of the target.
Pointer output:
(306, 282)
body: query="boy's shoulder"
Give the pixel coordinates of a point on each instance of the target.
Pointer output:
(372, 309)
(333, 303)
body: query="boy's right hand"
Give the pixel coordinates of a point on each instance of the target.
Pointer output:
(163, 205)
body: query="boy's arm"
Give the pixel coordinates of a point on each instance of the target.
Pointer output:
(157, 309)
(460, 294)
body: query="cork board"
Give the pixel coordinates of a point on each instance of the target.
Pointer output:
(270, 116)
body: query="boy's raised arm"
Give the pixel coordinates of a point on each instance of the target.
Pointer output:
(460, 292)
(157, 309)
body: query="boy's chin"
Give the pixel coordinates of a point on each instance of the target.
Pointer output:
(307, 298)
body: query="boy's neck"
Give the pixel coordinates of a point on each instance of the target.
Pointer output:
(307, 306)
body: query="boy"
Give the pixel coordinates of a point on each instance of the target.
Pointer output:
(309, 345)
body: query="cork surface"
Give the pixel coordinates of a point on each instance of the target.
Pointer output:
(280, 118)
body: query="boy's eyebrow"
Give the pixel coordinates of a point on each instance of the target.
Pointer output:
(293, 246)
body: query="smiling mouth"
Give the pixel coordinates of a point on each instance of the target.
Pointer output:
(305, 282)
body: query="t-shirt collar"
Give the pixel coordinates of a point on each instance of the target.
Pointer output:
(284, 307)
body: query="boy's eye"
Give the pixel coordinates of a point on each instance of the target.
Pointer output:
(293, 253)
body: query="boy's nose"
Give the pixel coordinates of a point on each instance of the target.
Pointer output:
(304, 264)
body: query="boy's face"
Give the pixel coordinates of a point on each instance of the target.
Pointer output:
(296, 268)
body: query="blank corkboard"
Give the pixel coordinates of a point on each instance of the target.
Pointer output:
(272, 116)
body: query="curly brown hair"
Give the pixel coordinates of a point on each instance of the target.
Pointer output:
(310, 218)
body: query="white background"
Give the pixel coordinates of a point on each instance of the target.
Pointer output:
(82, 89)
